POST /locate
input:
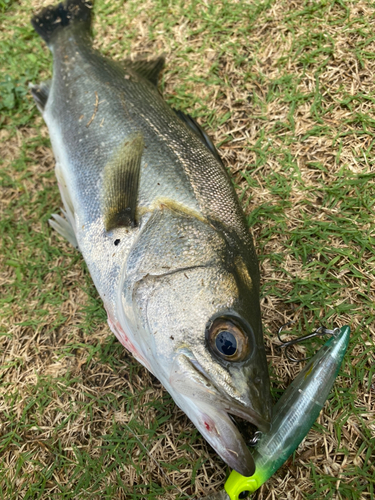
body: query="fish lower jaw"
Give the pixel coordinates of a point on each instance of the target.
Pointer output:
(221, 433)
(210, 411)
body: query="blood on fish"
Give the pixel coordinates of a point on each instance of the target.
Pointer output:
(207, 426)
(124, 339)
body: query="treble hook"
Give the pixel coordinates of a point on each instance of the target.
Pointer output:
(322, 330)
(255, 438)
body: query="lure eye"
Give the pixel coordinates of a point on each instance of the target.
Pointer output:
(227, 340)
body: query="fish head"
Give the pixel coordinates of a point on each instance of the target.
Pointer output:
(203, 338)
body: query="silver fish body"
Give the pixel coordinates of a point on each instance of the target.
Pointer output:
(176, 269)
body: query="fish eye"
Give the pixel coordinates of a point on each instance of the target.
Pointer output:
(226, 343)
(227, 340)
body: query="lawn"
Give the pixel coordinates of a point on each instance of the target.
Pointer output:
(286, 90)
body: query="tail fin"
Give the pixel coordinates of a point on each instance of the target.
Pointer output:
(51, 19)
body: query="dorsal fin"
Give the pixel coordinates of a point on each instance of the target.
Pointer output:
(121, 182)
(199, 132)
(148, 69)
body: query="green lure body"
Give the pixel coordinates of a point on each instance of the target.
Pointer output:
(293, 415)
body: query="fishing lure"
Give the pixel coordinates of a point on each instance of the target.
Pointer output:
(293, 416)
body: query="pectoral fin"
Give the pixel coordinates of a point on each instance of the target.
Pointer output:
(120, 184)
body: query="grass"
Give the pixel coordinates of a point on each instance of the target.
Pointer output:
(286, 91)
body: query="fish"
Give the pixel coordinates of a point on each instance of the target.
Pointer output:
(149, 204)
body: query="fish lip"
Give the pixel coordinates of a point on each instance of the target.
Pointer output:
(254, 418)
(230, 406)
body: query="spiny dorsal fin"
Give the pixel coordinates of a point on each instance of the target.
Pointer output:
(199, 132)
(148, 69)
(40, 94)
(120, 184)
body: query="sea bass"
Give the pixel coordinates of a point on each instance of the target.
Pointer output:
(153, 212)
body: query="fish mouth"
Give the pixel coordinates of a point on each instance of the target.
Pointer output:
(211, 410)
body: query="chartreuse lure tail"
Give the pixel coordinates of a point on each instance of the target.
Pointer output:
(293, 415)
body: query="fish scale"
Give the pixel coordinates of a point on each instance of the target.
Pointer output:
(118, 94)
(151, 207)
(94, 144)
